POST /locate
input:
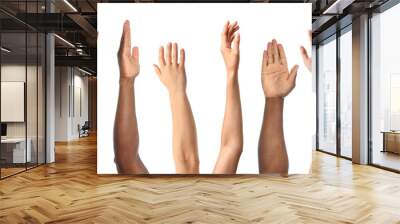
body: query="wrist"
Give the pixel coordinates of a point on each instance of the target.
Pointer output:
(232, 81)
(177, 93)
(232, 73)
(124, 80)
(274, 100)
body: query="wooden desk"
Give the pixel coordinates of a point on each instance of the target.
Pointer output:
(391, 141)
(13, 150)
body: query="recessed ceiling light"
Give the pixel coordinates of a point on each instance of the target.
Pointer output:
(338, 6)
(65, 41)
(84, 71)
(70, 5)
(5, 50)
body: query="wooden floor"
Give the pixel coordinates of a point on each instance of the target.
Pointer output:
(5, 172)
(387, 159)
(70, 191)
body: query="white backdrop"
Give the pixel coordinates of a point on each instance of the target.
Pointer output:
(197, 28)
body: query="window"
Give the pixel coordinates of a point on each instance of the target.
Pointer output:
(346, 92)
(327, 96)
(385, 89)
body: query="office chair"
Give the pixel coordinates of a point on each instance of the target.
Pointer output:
(84, 130)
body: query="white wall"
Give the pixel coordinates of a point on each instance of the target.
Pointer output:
(34, 125)
(80, 83)
(69, 82)
(16, 73)
(62, 81)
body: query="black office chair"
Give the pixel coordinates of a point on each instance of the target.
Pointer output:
(84, 130)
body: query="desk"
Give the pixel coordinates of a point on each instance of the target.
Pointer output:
(13, 150)
(391, 141)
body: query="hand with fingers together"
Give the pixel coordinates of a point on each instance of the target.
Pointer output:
(126, 134)
(306, 58)
(128, 58)
(171, 72)
(277, 81)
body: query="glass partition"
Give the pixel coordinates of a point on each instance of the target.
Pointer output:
(327, 95)
(13, 108)
(32, 95)
(41, 107)
(385, 89)
(22, 77)
(346, 93)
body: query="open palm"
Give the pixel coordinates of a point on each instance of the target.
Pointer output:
(171, 70)
(275, 76)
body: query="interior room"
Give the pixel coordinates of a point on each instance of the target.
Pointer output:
(22, 101)
(48, 150)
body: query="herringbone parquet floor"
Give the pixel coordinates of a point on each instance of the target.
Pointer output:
(70, 191)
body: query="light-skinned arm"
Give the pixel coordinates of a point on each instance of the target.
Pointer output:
(304, 54)
(171, 72)
(277, 83)
(232, 128)
(126, 136)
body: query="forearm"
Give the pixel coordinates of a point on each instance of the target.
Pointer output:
(272, 150)
(232, 130)
(184, 134)
(126, 136)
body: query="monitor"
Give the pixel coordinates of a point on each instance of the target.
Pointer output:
(3, 129)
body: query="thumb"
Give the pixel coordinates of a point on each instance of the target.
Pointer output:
(135, 54)
(157, 69)
(304, 53)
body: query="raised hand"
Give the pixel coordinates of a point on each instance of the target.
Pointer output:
(170, 70)
(275, 76)
(128, 59)
(306, 58)
(126, 133)
(230, 40)
(232, 127)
